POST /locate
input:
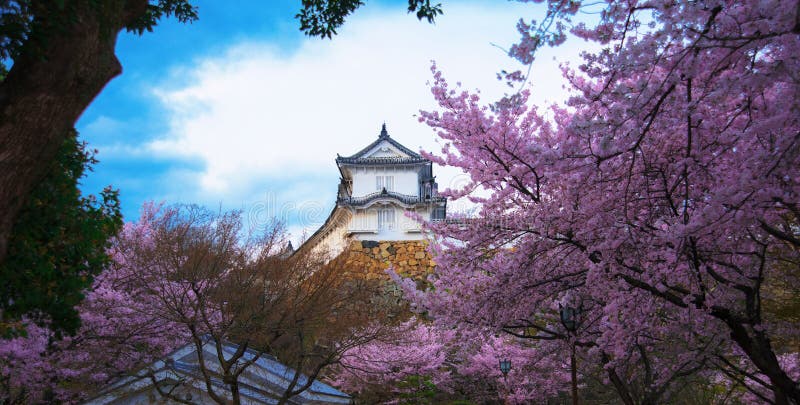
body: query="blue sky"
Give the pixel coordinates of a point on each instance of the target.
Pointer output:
(239, 110)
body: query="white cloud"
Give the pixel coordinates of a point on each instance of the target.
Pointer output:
(264, 121)
(104, 126)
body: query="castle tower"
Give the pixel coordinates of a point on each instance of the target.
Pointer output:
(380, 186)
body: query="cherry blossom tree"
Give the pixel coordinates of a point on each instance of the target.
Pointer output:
(120, 331)
(414, 351)
(218, 280)
(188, 275)
(645, 362)
(663, 196)
(450, 363)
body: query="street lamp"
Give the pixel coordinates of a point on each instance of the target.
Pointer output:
(505, 367)
(570, 318)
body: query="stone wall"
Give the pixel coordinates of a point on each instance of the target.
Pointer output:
(370, 259)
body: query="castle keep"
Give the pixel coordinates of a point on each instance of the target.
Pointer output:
(384, 188)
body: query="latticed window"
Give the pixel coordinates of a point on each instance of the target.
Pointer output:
(386, 182)
(386, 218)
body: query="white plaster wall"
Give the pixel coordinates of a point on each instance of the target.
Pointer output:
(364, 221)
(406, 179)
(334, 242)
(364, 224)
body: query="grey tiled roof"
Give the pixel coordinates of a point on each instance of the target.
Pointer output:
(381, 160)
(404, 198)
(413, 157)
(263, 382)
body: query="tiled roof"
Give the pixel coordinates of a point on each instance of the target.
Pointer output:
(403, 198)
(413, 157)
(264, 381)
(381, 160)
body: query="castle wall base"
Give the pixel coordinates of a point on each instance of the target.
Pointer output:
(370, 259)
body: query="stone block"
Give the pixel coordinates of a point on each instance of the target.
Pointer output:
(369, 244)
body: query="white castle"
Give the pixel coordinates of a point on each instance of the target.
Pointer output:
(380, 186)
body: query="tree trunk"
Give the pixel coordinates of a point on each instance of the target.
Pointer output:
(619, 385)
(755, 344)
(48, 87)
(235, 395)
(574, 373)
(287, 394)
(758, 348)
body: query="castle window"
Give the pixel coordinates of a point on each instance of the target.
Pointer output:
(385, 218)
(386, 182)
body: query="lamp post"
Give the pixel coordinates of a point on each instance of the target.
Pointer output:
(505, 367)
(570, 318)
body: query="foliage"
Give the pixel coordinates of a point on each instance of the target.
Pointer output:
(321, 18)
(185, 275)
(662, 200)
(386, 368)
(52, 240)
(23, 29)
(121, 330)
(214, 279)
(417, 389)
(182, 10)
(58, 246)
(434, 364)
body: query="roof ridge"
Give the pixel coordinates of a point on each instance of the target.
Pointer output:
(384, 136)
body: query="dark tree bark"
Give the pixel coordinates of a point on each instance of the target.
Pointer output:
(52, 81)
(758, 348)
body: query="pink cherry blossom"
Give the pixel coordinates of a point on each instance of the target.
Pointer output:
(663, 195)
